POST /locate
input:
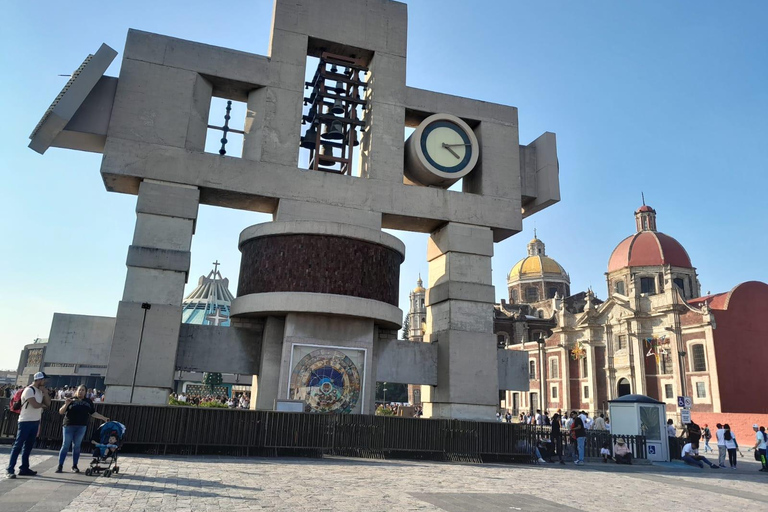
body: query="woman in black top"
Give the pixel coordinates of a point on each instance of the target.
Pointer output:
(556, 436)
(76, 411)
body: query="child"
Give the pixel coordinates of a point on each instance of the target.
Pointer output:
(605, 451)
(104, 450)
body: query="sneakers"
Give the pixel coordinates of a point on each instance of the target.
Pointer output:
(715, 466)
(542, 461)
(10, 475)
(59, 469)
(722, 465)
(579, 462)
(75, 469)
(28, 472)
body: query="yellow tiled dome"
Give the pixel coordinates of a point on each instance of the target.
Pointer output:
(536, 266)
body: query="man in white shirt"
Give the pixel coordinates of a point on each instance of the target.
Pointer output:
(690, 455)
(539, 417)
(722, 451)
(760, 445)
(33, 400)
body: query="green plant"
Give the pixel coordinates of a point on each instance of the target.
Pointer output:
(384, 411)
(215, 405)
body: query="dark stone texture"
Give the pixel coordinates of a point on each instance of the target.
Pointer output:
(319, 264)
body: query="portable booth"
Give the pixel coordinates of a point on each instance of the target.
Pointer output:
(640, 415)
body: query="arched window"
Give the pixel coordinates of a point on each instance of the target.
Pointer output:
(648, 285)
(513, 295)
(698, 358)
(551, 293)
(532, 294)
(618, 287)
(532, 369)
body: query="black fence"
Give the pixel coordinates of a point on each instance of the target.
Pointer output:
(196, 430)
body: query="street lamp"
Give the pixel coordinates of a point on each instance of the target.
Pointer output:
(146, 306)
(385, 396)
(540, 340)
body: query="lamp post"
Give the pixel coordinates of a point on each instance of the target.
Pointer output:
(146, 306)
(385, 396)
(542, 370)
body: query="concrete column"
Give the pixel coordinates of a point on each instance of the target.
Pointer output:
(266, 383)
(143, 353)
(460, 320)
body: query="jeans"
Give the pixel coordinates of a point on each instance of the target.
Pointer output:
(706, 446)
(721, 451)
(73, 435)
(25, 440)
(732, 457)
(580, 442)
(697, 462)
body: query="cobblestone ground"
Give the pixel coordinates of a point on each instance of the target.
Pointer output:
(233, 484)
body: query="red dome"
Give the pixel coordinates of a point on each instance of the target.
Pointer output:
(648, 248)
(646, 208)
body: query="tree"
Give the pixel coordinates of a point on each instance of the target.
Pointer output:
(407, 327)
(212, 380)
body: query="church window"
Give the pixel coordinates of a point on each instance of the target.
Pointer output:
(532, 294)
(554, 392)
(647, 285)
(552, 293)
(532, 370)
(422, 302)
(701, 390)
(665, 362)
(621, 342)
(679, 283)
(586, 391)
(235, 125)
(619, 287)
(513, 296)
(668, 391)
(541, 314)
(645, 222)
(699, 360)
(554, 369)
(584, 369)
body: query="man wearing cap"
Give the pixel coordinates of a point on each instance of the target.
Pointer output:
(760, 445)
(34, 399)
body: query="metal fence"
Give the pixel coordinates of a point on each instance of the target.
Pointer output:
(196, 430)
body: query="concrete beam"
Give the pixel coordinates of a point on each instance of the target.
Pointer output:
(219, 349)
(458, 290)
(406, 362)
(546, 172)
(160, 259)
(513, 370)
(167, 199)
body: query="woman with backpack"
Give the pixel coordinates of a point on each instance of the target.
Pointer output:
(707, 436)
(77, 411)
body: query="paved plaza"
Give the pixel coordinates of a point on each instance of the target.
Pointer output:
(208, 483)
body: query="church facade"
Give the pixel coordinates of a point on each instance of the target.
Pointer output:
(655, 334)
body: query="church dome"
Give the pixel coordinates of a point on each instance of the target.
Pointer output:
(536, 264)
(648, 247)
(209, 303)
(419, 286)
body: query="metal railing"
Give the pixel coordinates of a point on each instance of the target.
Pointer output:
(194, 430)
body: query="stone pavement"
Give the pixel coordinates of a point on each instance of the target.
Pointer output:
(208, 483)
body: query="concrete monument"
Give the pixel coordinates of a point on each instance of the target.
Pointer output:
(317, 301)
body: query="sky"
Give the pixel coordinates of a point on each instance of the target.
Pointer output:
(665, 98)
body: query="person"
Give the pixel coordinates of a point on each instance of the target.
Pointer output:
(76, 410)
(539, 417)
(730, 444)
(760, 445)
(579, 433)
(690, 455)
(34, 399)
(672, 438)
(694, 432)
(508, 417)
(104, 450)
(556, 435)
(599, 423)
(547, 420)
(607, 423)
(721, 449)
(605, 451)
(621, 452)
(707, 436)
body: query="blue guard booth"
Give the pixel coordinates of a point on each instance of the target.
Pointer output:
(634, 415)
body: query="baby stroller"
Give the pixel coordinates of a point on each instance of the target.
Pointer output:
(106, 441)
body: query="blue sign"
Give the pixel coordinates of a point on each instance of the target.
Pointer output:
(651, 449)
(681, 401)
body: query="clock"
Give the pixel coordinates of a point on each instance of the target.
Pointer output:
(441, 151)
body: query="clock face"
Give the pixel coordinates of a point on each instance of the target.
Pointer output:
(446, 146)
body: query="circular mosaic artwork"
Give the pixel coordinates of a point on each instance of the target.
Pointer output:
(328, 382)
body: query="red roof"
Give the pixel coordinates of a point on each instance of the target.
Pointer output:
(648, 248)
(715, 300)
(645, 208)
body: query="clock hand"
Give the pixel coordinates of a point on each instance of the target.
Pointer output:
(446, 146)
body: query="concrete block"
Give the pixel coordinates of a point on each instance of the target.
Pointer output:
(513, 370)
(159, 339)
(459, 315)
(153, 103)
(463, 238)
(219, 349)
(421, 103)
(457, 266)
(197, 129)
(281, 130)
(161, 259)
(387, 80)
(141, 395)
(467, 368)
(457, 290)
(254, 121)
(154, 286)
(460, 411)
(497, 172)
(382, 146)
(168, 199)
(292, 210)
(547, 173)
(406, 362)
(79, 338)
(268, 378)
(305, 328)
(87, 130)
(161, 232)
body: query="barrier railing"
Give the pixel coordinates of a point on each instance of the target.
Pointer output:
(195, 430)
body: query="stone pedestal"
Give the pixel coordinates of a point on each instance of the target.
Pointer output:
(460, 320)
(143, 354)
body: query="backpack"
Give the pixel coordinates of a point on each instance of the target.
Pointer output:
(707, 434)
(16, 400)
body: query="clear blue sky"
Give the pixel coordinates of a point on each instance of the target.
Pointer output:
(669, 98)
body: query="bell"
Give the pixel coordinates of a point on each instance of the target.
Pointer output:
(340, 87)
(333, 132)
(308, 141)
(325, 150)
(338, 107)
